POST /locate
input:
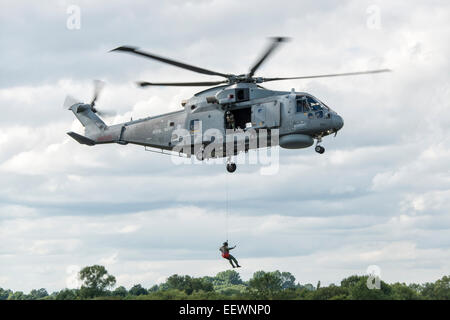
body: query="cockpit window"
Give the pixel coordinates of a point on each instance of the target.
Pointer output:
(325, 106)
(315, 105)
(302, 105)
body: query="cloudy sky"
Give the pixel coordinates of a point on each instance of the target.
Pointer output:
(378, 196)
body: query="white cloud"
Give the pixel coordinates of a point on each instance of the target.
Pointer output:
(73, 280)
(109, 261)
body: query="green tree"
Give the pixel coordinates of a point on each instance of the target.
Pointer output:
(18, 295)
(4, 294)
(120, 292)
(265, 285)
(427, 290)
(440, 290)
(206, 295)
(308, 287)
(360, 291)
(137, 290)
(228, 277)
(67, 294)
(38, 294)
(154, 288)
(329, 293)
(176, 282)
(230, 290)
(401, 291)
(229, 285)
(168, 294)
(417, 288)
(351, 281)
(188, 284)
(201, 285)
(287, 280)
(95, 281)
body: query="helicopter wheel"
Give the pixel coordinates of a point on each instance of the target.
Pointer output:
(320, 149)
(231, 167)
(200, 155)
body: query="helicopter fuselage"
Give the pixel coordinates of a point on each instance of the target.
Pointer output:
(297, 117)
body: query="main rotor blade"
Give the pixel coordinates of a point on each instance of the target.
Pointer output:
(181, 84)
(329, 75)
(275, 43)
(136, 51)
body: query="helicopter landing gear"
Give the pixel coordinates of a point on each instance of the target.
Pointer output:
(200, 155)
(319, 149)
(231, 166)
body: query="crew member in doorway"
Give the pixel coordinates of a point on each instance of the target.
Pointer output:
(226, 254)
(230, 120)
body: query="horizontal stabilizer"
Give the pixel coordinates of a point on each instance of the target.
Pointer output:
(81, 139)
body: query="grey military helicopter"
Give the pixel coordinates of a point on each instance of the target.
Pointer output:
(232, 107)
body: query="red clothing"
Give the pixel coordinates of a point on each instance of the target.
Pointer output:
(225, 251)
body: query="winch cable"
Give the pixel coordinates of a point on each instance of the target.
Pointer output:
(226, 207)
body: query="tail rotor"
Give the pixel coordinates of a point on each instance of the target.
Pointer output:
(98, 87)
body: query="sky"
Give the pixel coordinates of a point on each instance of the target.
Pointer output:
(379, 195)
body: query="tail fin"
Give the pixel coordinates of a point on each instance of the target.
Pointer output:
(94, 127)
(95, 130)
(91, 122)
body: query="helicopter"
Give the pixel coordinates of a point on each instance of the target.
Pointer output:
(232, 107)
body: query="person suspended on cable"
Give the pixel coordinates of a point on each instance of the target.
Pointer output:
(226, 254)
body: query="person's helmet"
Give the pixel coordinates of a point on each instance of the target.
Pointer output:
(228, 112)
(225, 243)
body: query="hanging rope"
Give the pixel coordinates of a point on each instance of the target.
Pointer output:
(226, 213)
(226, 206)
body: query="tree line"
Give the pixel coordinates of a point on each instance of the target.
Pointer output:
(97, 283)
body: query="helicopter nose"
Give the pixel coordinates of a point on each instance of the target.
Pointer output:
(338, 122)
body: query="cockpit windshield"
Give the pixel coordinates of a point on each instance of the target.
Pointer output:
(312, 106)
(307, 103)
(325, 106)
(315, 105)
